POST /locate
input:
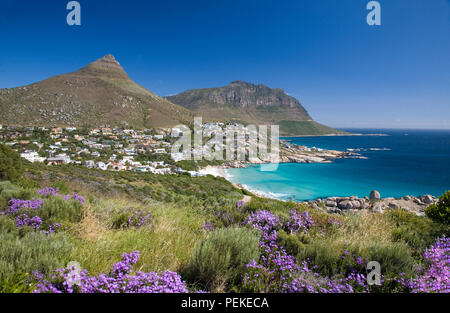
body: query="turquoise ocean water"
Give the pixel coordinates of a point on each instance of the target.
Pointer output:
(405, 162)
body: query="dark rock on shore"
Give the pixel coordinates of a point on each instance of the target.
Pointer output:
(374, 203)
(375, 195)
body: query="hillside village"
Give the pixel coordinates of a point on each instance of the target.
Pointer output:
(127, 149)
(104, 148)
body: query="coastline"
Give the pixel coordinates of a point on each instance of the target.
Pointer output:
(221, 171)
(339, 205)
(372, 176)
(216, 171)
(290, 153)
(334, 135)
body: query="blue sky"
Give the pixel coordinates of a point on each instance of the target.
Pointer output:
(346, 73)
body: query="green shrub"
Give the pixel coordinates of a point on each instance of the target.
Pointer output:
(131, 217)
(275, 206)
(6, 192)
(293, 243)
(6, 185)
(440, 212)
(224, 211)
(18, 193)
(11, 167)
(394, 259)
(329, 259)
(25, 182)
(416, 231)
(220, 259)
(326, 256)
(8, 225)
(62, 187)
(18, 283)
(9, 191)
(57, 210)
(33, 252)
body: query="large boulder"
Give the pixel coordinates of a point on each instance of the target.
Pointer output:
(428, 199)
(393, 205)
(375, 195)
(345, 205)
(379, 207)
(417, 201)
(316, 207)
(331, 203)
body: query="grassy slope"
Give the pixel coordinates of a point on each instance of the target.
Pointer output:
(180, 205)
(98, 94)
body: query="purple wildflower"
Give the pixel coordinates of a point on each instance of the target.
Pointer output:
(121, 279)
(437, 276)
(25, 220)
(48, 191)
(78, 197)
(208, 226)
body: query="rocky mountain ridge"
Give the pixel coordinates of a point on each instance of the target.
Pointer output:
(252, 104)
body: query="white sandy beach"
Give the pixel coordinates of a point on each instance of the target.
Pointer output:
(214, 171)
(218, 171)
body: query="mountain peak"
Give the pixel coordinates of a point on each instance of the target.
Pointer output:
(244, 84)
(106, 67)
(109, 56)
(108, 59)
(239, 82)
(100, 93)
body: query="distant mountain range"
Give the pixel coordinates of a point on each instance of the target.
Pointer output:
(103, 94)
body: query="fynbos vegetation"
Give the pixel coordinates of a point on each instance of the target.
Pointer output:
(141, 232)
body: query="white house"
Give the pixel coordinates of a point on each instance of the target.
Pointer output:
(59, 159)
(161, 171)
(195, 174)
(32, 156)
(89, 164)
(102, 166)
(130, 151)
(177, 132)
(179, 156)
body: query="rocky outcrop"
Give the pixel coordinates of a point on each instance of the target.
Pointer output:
(255, 104)
(340, 205)
(290, 153)
(375, 195)
(242, 95)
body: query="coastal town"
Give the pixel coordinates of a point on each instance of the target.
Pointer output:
(103, 148)
(127, 149)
